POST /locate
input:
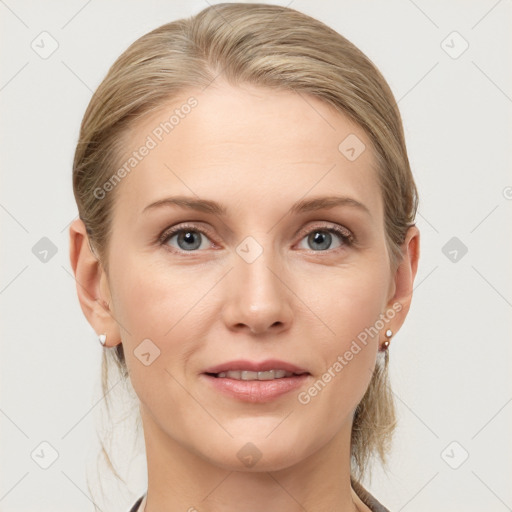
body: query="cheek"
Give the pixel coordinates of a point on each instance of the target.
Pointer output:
(154, 307)
(345, 332)
(153, 296)
(345, 302)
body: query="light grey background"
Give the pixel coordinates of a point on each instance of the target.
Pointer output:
(450, 363)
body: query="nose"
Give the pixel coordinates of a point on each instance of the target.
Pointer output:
(257, 298)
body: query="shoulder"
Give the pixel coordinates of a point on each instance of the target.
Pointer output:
(369, 500)
(136, 505)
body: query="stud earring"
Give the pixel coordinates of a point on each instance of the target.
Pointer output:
(102, 339)
(385, 343)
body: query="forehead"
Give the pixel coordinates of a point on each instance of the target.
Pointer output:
(246, 143)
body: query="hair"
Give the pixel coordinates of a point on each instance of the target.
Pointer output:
(272, 47)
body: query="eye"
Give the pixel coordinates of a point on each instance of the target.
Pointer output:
(320, 238)
(188, 238)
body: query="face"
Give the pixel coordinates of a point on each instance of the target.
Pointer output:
(261, 276)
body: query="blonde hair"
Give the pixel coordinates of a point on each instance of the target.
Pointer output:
(268, 46)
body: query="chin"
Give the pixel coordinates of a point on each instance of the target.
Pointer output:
(258, 454)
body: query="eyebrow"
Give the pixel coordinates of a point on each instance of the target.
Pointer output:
(303, 206)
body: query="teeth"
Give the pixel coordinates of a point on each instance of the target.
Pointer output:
(247, 375)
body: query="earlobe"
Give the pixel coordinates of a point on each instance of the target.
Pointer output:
(91, 284)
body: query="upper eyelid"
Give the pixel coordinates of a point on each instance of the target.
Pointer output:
(168, 232)
(329, 226)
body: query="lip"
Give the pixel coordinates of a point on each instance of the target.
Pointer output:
(255, 391)
(254, 366)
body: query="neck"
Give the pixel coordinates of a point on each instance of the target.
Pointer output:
(179, 479)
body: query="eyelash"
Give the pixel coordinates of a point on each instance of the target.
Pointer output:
(345, 235)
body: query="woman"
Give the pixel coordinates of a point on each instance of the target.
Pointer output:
(246, 250)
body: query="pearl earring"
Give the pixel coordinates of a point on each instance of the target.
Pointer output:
(385, 343)
(102, 338)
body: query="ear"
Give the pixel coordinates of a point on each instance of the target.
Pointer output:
(91, 284)
(403, 279)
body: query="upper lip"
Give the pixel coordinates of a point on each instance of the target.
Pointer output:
(254, 366)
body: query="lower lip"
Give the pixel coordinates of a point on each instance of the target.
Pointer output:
(256, 390)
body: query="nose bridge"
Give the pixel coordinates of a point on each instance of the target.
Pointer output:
(256, 297)
(255, 259)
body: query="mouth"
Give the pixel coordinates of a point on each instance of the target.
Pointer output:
(256, 382)
(248, 375)
(252, 370)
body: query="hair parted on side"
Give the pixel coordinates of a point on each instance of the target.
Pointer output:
(272, 47)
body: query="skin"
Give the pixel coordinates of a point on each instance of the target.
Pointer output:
(257, 152)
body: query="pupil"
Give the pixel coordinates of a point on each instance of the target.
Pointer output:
(318, 237)
(188, 237)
